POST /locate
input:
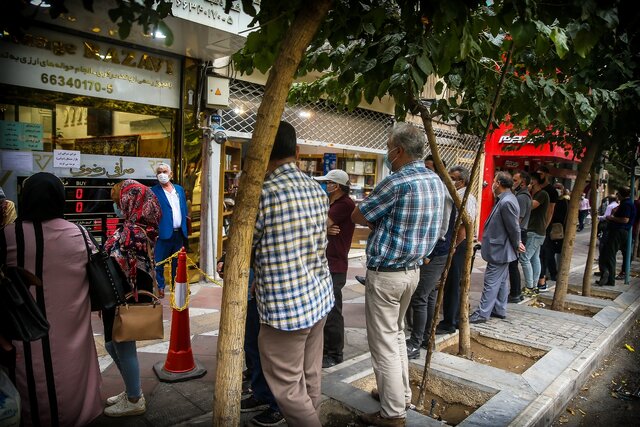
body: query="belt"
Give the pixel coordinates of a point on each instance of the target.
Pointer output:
(177, 229)
(394, 269)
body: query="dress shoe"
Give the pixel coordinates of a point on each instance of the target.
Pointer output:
(361, 279)
(476, 318)
(413, 352)
(376, 419)
(499, 316)
(516, 299)
(376, 396)
(444, 330)
(328, 361)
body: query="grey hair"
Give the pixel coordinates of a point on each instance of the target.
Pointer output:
(410, 138)
(166, 165)
(504, 179)
(464, 173)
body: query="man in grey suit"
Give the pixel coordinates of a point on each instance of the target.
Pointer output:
(500, 245)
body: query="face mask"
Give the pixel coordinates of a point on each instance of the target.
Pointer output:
(163, 178)
(389, 163)
(326, 189)
(117, 210)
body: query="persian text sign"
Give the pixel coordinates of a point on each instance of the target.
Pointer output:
(63, 63)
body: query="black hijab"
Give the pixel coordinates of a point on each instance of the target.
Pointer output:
(42, 197)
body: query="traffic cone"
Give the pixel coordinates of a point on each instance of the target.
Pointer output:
(180, 364)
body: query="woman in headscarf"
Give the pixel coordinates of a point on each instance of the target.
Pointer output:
(132, 247)
(58, 377)
(7, 210)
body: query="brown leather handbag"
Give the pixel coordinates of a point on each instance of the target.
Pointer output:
(138, 321)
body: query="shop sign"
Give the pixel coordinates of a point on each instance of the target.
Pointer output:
(514, 139)
(211, 14)
(63, 63)
(91, 166)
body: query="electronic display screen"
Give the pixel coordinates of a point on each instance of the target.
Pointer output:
(88, 203)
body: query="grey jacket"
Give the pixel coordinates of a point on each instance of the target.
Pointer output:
(501, 235)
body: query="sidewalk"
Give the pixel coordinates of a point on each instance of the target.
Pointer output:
(574, 345)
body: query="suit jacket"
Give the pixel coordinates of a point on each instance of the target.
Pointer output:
(501, 236)
(165, 228)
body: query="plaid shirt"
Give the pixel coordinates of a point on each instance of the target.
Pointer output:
(293, 283)
(406, 212)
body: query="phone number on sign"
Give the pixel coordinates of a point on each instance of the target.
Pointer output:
(75, 83)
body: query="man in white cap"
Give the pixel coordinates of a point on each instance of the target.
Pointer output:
(340, 232)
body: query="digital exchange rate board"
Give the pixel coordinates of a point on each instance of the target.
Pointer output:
(88, 203)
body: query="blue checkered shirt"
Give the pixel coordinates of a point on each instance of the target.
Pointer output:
(293, 283)
(406, 212)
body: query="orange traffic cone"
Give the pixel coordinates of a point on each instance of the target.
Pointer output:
(180, 364)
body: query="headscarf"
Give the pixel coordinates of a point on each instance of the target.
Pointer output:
(132, 244)
(42, 198)
(7, 210)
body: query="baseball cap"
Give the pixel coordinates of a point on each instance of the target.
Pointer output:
(338, 176)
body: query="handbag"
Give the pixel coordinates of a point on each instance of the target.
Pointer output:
(138, 321)
(106, 289)
(20, 316)
(557, 231)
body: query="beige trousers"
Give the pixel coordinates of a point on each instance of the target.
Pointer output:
(292, 364)
(386, 300)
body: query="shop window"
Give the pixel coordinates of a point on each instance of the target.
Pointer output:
(116, 133)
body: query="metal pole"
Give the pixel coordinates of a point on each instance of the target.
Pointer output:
(627, 256)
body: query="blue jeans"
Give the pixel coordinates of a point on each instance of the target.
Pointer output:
(530, 259)
(126, 359)
(164, 249)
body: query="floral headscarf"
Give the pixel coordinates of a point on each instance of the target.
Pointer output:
(132, 244)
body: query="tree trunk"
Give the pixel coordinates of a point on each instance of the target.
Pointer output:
(226, 406)
(593, 239)
(593, 146)
(464, 332)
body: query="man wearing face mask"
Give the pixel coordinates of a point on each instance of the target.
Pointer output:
(404, 212)
(339, 234)
(500, 245)
(172, 231)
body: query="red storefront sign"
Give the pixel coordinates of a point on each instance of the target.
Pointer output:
(505, 151)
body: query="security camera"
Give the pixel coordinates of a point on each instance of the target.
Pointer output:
(219, 136)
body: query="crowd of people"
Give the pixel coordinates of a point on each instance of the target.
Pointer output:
(302, 237)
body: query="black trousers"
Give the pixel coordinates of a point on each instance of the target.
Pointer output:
(514, 271)
(451, 301)
(614, 239)
(334, 327)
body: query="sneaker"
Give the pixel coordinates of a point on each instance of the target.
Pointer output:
(126, 408)
(251, 404)
(542, 288)
(361, 279)
(268, 417)
(498, 316)
(413, 352)
(515, 299)
(529, 291)
(117, 398)
(444, 330)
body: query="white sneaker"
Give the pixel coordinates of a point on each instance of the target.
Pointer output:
(125, 408)
(117, 398)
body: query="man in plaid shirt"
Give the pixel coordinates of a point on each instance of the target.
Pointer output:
(404, 213)
(292, 282)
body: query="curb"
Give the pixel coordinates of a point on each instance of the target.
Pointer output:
(543, 410)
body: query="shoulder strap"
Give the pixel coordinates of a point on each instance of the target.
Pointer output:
(46, 342)
(28, 355)
(84, 237)
(3, 247)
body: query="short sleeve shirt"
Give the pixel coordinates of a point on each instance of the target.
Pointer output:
(537, 220)
(406, 210)
(339, 245)
(626, 209)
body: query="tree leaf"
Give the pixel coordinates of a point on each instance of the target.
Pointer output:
(439, 87)
(559, 38)
(88, 4)
(425, 64)
(390, 53)
(124, 29)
